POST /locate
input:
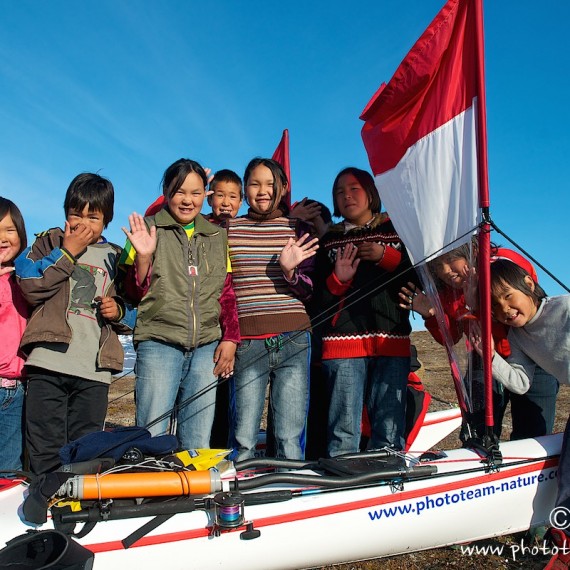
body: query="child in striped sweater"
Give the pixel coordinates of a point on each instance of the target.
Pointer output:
(271, 257)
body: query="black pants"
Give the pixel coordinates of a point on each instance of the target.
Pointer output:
(60, 409)
(221, 426)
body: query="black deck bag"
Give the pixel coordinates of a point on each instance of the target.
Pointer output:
(49, 549)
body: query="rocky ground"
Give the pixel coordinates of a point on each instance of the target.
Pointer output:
(436, 378)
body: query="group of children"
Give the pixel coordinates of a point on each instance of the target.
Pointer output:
(223, 299)
(212, 301)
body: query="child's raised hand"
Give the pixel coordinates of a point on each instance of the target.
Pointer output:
(476, 339)
(76, 240)
(224, 358)
(209, 178)
(346, 263)
(470, 287)
(413, 299)
(5, 268)
(295, 252)
(143, 240)
(305, 211)
(371, 251)
(108, 308)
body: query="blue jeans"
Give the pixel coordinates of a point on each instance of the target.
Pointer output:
(533, 412)
(283, 361)
(11, 428)
(377, 382)
(167, 375)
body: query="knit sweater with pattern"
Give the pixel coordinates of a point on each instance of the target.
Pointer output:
(267, 303)
(361, 318)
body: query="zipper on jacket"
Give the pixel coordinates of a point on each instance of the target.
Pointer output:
(192, 263)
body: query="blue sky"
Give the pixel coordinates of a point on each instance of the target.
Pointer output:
(125, 88)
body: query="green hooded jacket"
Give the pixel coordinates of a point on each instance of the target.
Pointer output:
(182, 305)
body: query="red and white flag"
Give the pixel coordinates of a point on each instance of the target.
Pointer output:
(281, 155)
(420, 134)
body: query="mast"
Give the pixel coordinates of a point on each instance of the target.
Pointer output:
(484, 254)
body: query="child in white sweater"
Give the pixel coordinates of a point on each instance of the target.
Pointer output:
(539, 335)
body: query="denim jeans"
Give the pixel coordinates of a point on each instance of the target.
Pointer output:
(532, 413)
(283, 361)
(377, 382)
(11, 428)
(167, 375)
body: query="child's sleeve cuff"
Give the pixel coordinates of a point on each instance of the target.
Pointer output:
(335, 286)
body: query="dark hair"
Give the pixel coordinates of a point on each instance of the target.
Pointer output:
(280, 182)
(93, 190)
(467, 251)
(8, 207)
(366, 181)
(226, 175)
(325, 212)
(506, 273)
(177, 172)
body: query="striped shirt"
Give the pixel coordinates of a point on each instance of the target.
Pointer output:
(267, 303)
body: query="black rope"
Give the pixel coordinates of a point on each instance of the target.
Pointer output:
(316, 321)
(353, 298)
(527, 254)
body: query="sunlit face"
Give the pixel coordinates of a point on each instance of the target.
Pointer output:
(93, 219)
(185, 204)
(512, 306)
(352, 201)
(10, 242)
(453, 273)
(260, 189)
(226, 200)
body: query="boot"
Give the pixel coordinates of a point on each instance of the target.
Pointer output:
(560, 541)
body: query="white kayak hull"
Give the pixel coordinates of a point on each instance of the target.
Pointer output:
(341, 526)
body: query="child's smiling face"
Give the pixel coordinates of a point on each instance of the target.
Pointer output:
(93, 219)
(226, 200)
(185, 203)
(352, 200)
(512, 306)
(10, 242)
(453, 272)
(260, 189)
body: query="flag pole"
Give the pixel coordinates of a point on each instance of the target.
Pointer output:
(281, 155)
(484, 254)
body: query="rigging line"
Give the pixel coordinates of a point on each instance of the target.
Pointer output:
(442, 401)
(357, 294)
(120, 377)
(329, 312)
(533, 259)
(316, 321)
(121, 396)
(291, 478)
(134, 434)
